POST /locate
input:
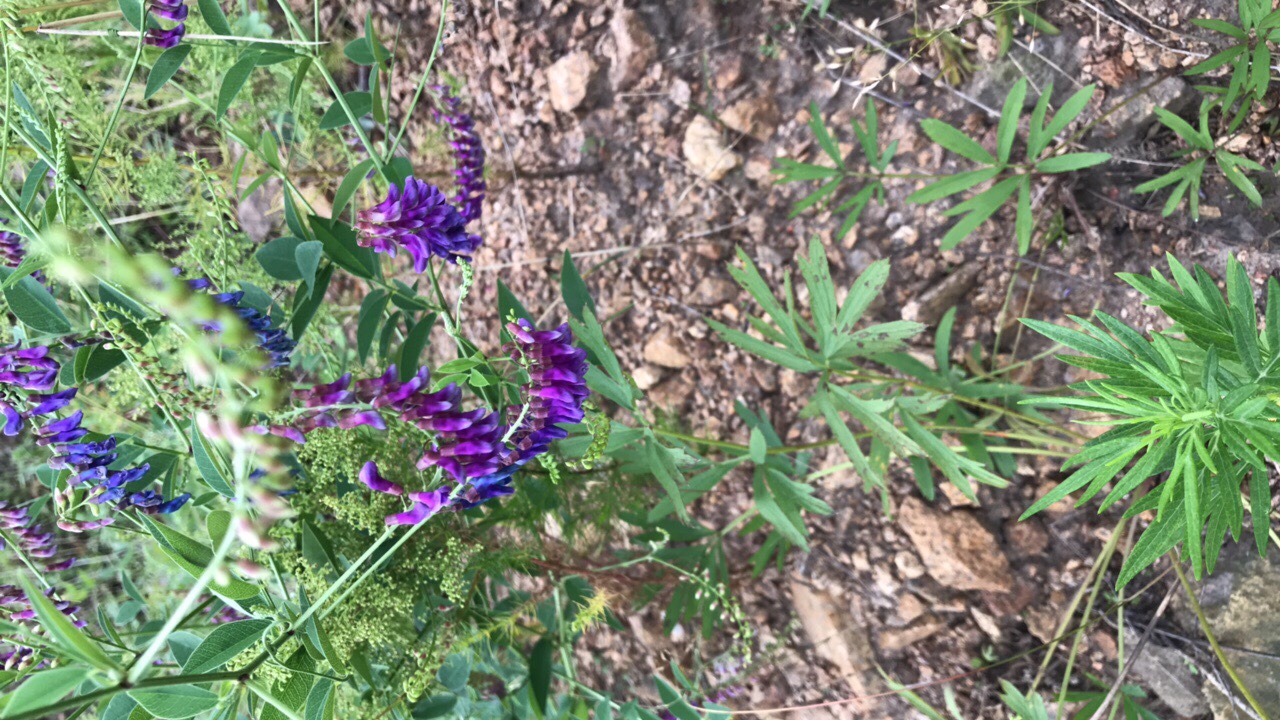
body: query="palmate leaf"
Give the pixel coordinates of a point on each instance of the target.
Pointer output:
(1008, 179)
(783, 330)
(835, 178)
(1199, 410)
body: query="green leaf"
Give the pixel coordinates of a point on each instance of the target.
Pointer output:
(293, 692)
(956, 141)
(361, 52)
(304, 307)
(371, 310)
(234, 80)
(360, 103)
(665, 470)
(1071, 162)
(320, 701)
(210, 463)
(63, 632)
(675, 704)
(43, 688)
(1007, 130)
(342, 247)
(279, 258)
(134, 13)
(1024, 221)
(1221, 26)
(1183, 129)
(574, 289)
(307, 256)
(175, 702)
(165, 67)
(1217, 60)
(861, 294)
(354, 178)
(1069, 111)
(213, 16)
(414, 342)
(823, 137)
(35, 307)
(951, 185)
(758, 446)
(540, 673)
(193, 557)
(1260, 509)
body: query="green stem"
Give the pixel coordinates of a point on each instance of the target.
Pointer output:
(143, 661)
(115, 113)
(422, 82)
(93, 697)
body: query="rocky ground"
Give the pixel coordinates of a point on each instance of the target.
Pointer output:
(641, 139)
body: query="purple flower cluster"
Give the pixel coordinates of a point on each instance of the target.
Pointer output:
(12, 252)
(32, 370)
(468, 155)
(557, 383)
(32, 540)
(275, 342)
(474, 447)
(175, 10)
(37, 545)
(417, 218)
(323, 407)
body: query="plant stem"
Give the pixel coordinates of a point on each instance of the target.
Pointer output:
(1213, 640)
(89, 698)
(143, 662)
(115, 113)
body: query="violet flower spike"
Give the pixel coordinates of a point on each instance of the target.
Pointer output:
(468, 153)
(416, 217)
(174, 10)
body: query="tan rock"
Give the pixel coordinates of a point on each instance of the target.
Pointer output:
(908, 565)
(909, 607)
(894, 640)
(754, 116)
(714, 291)
(838, 633)
(955, 548)
(705, 150)
(646, 376)
(569, 79)
(634, 48)
(662, 350)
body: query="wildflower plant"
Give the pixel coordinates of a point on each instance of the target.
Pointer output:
(1192, 406)
(312, 488)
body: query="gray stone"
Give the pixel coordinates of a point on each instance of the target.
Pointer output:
(1130, 123)
(1242, 606)
(1166, 672)
(992, 82)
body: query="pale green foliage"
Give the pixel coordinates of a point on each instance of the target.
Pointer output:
(1196, 402)
(827, 345)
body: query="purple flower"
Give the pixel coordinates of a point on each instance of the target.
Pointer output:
(151, 503)
(169, 9)
(469, 156)
(557, 384)
(418, 219)
(165, 39)
(425, 504)
(275, 342)
(28, 368)
(370, 476)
